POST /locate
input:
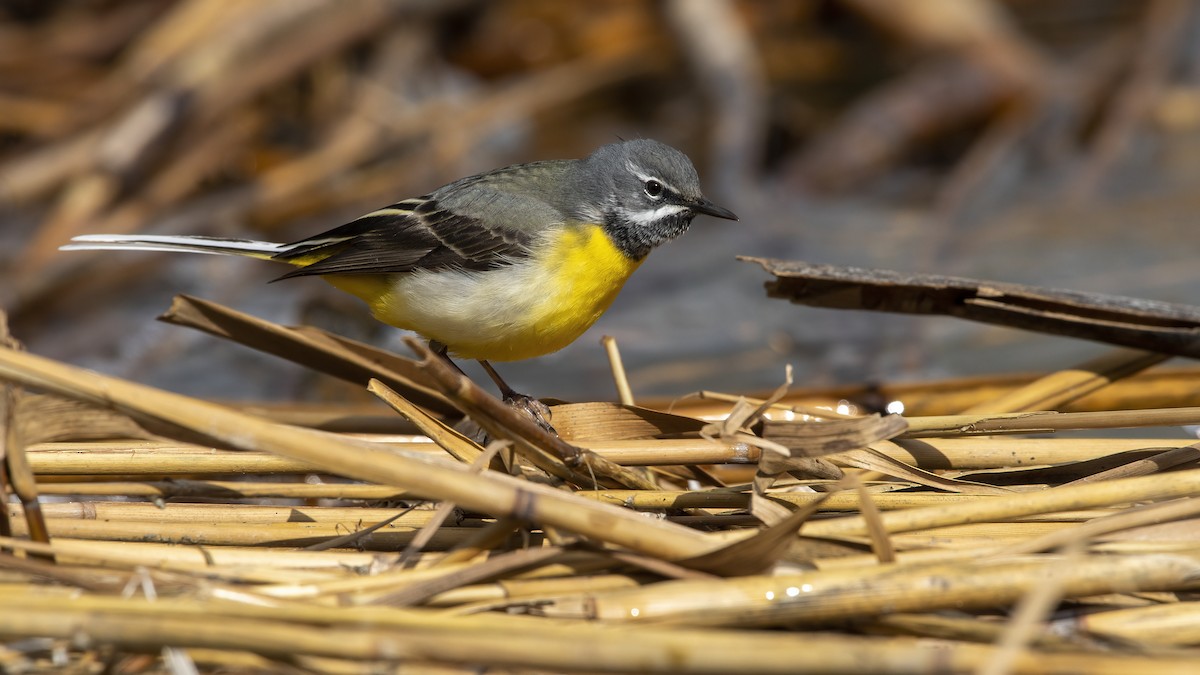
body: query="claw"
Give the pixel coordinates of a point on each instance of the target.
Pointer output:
(536, 410)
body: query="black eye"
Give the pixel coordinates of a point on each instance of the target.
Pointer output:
(654, 189)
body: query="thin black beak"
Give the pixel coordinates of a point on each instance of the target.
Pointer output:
(708, 208)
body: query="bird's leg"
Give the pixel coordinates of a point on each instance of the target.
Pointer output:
(466, 426)
(506, 391)
(539, 411)
(442, 351)
(532, 407)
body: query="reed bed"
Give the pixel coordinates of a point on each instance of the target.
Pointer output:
(791, 533)
(1032, 524)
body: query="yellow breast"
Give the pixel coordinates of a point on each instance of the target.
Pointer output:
(519, 311)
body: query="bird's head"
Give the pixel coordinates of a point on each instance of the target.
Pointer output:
(645, 193)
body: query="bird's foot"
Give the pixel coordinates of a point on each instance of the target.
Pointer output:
(531, 407)
(523, 405)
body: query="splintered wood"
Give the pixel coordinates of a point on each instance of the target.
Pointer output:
(247, 538)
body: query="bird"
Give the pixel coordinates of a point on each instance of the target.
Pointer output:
(505, 265)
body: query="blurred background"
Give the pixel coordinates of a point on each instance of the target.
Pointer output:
(1045, 142)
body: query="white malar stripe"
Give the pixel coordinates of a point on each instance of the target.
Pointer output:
(151, 242)
(653, 215)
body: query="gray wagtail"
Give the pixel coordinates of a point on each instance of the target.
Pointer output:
(501, 266)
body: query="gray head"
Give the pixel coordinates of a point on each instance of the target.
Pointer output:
(646, 192)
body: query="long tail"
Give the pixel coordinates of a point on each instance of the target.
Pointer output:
(263, 250)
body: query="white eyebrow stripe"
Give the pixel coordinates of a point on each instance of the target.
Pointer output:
(643, 176)
(653, 215)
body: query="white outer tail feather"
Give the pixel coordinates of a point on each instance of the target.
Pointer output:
(193, 244)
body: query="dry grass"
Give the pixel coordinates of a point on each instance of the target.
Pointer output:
(144, 531)
(636, 541)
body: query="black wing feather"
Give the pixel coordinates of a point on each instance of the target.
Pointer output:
(406, 237)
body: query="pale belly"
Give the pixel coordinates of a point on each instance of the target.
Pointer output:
(519, 311)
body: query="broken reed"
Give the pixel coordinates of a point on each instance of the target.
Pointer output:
(967, 505)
